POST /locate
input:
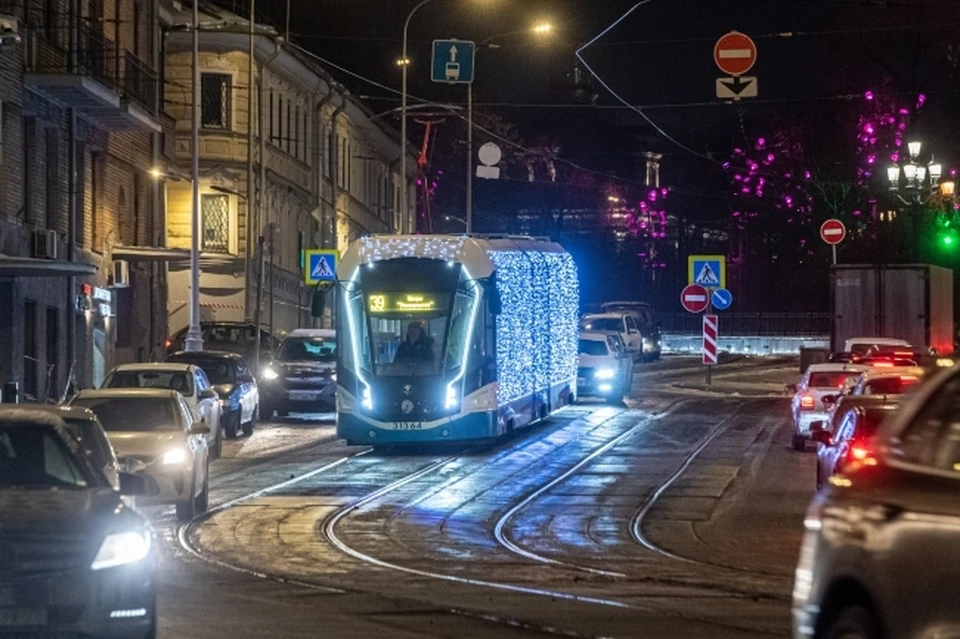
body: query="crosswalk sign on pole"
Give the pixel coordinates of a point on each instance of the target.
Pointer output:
(320, 265)
(709, 271)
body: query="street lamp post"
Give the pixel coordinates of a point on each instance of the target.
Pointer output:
(404, 63)
(915, 182)
(194, 338)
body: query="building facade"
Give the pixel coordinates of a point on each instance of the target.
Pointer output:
(81, 128)
(323, 172)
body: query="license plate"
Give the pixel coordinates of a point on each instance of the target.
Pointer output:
(407, 426)
(22, 617)
(303, 396)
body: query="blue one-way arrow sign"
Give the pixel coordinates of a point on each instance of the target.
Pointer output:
(721, 299)
(453, 61)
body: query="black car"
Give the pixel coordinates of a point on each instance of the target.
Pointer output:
(74, 560)
(231, 337)
(234, 383)
(846, 438)
(881, 550)
(301, 377)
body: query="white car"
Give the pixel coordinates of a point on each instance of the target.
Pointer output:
(604, 370)
(861, 345)
(187, 379)
(155, 428)
(819, 381)
(623, 324)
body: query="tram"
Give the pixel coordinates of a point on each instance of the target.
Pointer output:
(453, 338)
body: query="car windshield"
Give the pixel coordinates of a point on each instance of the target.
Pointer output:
(140, 414)
(35, 457)
(831, 380)
(219, 371)
(604, 324)
(95, 443)
(307, 349)
(174, 380)
(593, 347)
(889, 385)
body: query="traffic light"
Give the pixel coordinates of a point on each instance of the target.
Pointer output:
(948, 238)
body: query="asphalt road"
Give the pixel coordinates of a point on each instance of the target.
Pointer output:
(675, 515)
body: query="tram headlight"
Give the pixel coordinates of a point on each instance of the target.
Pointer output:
(367, 398)
(451, 397)
(605, 373)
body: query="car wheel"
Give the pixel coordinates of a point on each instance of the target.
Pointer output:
(217, 449)
(854, 622)
(202, 501)
(799, 443)
(185, 509)
(249, 426)
(230, 428)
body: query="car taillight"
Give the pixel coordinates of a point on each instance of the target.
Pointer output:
(883, 364)
(169, 343)
(807, 402)
(859, 452)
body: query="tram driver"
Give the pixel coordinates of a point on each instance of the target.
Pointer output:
(416, 347)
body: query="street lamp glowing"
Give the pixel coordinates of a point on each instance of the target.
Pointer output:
(542, 28)
(402, 62)
(914, 149)
(948, 188)
(893, 174)
(156, 174)
(936, 170)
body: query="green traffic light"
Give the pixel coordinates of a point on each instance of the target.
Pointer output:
(948, 240)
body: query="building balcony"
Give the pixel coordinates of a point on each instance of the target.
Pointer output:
(116, 92)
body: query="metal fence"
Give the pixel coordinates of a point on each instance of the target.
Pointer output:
(750, 324)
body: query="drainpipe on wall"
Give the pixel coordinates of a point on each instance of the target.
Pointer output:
(248, 242)
(318, 158)
(261, 190)
(335, 169)
(70, 309)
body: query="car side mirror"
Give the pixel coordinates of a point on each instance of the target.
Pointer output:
(137, 486)
(247, 379)
(791, 388)
(634, 331)
(199, 428)
(209, 393)
(821, 436)
(829, 400)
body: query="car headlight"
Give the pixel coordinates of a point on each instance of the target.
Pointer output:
(120, 549)
(605, 373)
(175, 456)
(269, 373)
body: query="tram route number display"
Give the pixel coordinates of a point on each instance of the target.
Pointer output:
(406, 302)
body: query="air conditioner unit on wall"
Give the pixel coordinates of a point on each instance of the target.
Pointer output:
(121, 273)
(45, 244)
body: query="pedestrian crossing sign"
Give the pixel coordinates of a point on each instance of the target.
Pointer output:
(320, 265)
(709, 271)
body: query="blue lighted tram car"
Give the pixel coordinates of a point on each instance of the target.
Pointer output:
(453, 338)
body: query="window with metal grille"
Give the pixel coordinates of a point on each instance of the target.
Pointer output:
(215, 100)
(215, 213)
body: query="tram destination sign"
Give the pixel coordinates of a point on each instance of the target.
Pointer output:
(406, 303)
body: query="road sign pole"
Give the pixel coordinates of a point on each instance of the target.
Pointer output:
(709, 311)
(469, 220)
(834, 247)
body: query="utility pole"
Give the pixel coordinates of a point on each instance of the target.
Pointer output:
(194, 338)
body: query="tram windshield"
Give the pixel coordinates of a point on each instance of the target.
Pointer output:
(405, 328)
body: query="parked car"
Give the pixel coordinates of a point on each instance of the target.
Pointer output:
(83, 424)
(605, 369)
(189, 380)
(156, 428)
(862, 345)
(646, 320)
(302, 376)
(882, 540)
(234, 383)
(844, 439)
(232, 337)
(75, 560)
(807, 405)
(621, 323)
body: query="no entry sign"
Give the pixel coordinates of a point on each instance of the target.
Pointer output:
(694, 298)
(735, 53)
(833, 231)
(710, 334)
